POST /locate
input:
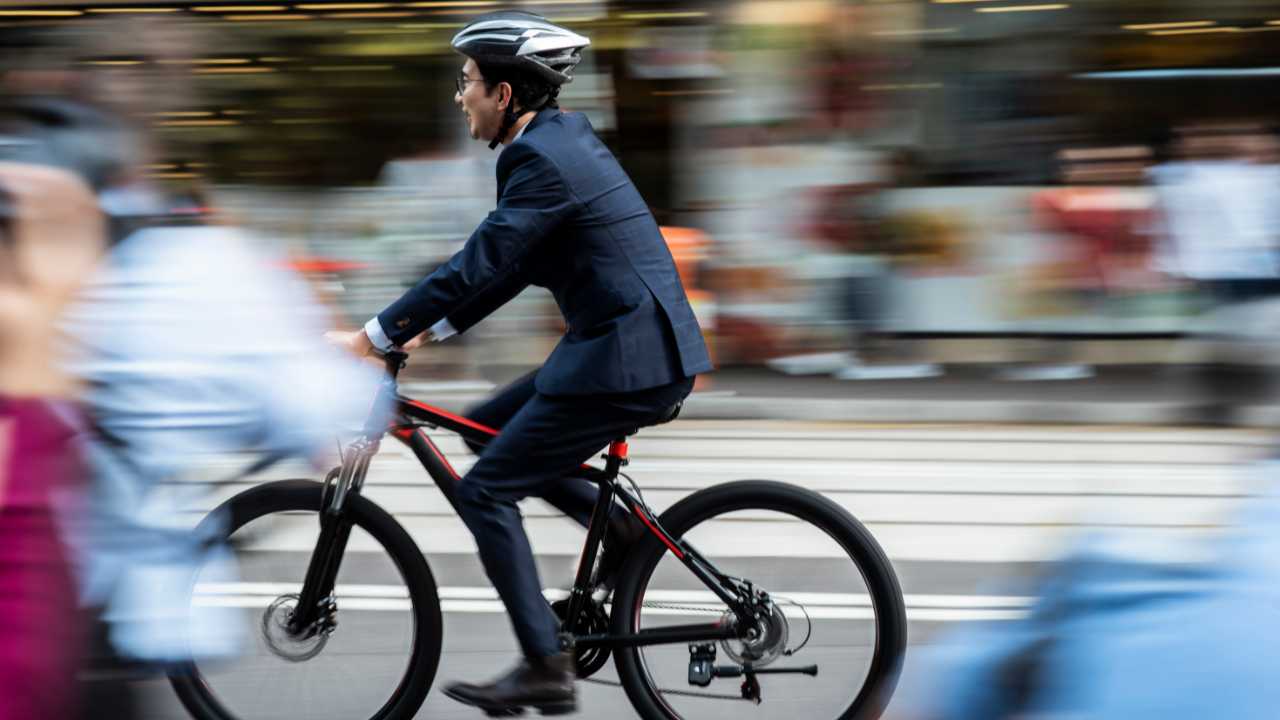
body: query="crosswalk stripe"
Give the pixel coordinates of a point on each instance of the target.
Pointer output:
(483, 600)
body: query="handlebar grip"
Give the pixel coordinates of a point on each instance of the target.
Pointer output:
(395, 360)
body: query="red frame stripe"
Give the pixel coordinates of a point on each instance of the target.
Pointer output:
(451, 417)
(645, 519)
(405, 434)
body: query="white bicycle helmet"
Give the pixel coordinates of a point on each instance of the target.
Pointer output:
(523, 40)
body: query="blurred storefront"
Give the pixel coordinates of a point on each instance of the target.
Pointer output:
(982, 164)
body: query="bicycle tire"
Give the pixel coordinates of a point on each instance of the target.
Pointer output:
(834, 520)
(306, 495)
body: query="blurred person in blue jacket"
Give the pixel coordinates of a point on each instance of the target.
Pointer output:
(1111, 636)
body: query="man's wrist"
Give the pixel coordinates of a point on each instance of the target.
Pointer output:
(375, 336)
(363, 345)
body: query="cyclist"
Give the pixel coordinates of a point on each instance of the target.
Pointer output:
(569, 219)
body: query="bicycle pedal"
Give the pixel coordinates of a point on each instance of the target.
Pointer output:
(559, 708)
(504, 712)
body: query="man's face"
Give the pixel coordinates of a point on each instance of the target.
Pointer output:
(483, 107)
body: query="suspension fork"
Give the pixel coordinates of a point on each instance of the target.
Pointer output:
(335, 530)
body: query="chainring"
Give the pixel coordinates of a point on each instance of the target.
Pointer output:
(593, 620)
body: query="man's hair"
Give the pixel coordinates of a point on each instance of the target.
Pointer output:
(530, 91)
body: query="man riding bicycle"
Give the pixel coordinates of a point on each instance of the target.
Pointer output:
(568, 219)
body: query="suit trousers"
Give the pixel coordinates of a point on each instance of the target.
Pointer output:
(542, 440)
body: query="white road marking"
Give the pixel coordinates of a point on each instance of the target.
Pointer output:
(483, 600)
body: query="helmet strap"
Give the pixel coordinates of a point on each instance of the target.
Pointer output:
(509, 118)
(509, 115)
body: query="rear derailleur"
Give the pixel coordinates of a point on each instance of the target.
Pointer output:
(703, 669)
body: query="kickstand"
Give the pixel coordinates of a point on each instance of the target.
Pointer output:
(751, 687)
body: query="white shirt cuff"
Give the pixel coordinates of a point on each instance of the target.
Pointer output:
(373, 329)
(442, 330)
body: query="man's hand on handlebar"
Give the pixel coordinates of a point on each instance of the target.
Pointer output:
(354, 342)
(418, 341)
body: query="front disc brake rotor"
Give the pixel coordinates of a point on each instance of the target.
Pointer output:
(281, 641)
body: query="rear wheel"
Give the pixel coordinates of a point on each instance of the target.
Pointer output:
(380, 659)
(834, 603)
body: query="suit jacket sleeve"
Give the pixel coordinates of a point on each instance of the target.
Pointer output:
(488, 271)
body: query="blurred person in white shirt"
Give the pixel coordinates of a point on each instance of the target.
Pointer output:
(190, 342)
(1218, 223)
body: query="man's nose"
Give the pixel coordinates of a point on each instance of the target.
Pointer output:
(457, 98)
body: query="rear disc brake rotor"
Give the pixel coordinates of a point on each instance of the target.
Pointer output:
(772, 633)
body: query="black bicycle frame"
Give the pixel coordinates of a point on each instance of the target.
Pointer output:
(412, 418)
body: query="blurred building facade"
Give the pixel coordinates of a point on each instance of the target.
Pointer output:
(968, 168)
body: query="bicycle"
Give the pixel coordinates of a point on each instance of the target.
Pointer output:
(752, 623)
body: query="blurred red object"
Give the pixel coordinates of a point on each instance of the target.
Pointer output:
(1107, 249)
(323, 265)
(40, 633)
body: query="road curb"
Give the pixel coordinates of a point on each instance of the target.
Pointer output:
(718, 406)
(961, 411)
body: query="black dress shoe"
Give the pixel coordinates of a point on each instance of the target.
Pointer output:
(542, 683)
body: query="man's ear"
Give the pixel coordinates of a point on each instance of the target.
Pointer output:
(504, 95)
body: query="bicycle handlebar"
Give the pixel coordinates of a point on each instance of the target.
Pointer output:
(394, 360)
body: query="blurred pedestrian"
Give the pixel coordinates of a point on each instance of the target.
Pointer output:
(1111, 636)
(50, 235)
(190, 341)
(1218, 220)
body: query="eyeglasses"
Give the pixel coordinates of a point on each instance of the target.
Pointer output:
(462, 80)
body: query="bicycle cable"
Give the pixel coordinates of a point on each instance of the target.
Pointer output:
(639, 494)
(808, 622)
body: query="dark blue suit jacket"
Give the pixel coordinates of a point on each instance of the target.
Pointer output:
(570, 220)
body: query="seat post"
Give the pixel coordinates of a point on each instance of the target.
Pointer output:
(616, 458)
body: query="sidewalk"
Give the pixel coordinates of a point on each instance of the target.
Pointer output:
(1116, 395)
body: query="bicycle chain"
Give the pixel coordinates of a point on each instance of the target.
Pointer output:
(680, 693)
(694, 608)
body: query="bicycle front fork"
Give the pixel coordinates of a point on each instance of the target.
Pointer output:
(316, 606)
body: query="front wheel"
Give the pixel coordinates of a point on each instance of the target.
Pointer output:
(381, 655)
(835, 642)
